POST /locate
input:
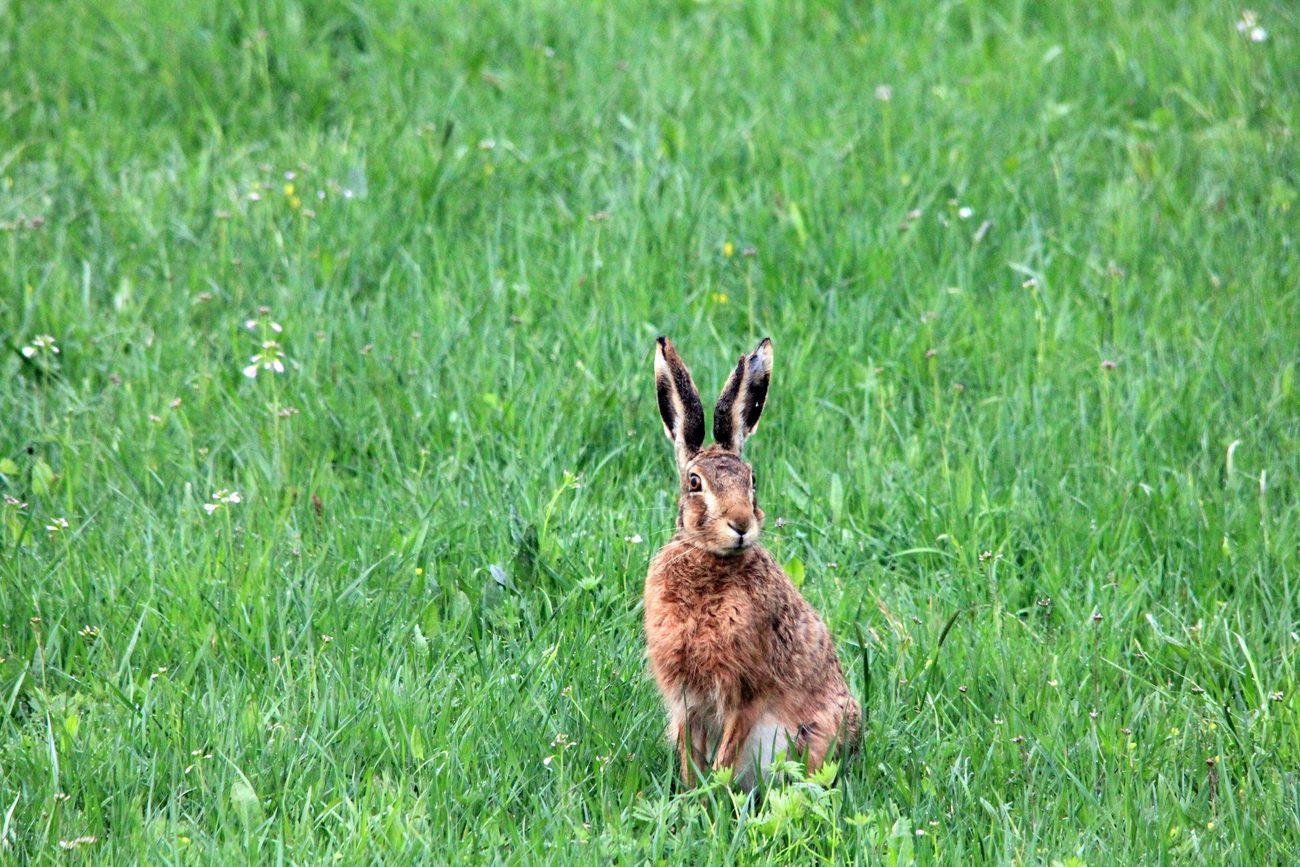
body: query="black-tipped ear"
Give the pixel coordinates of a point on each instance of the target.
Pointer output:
(679, 402)
(741, 403)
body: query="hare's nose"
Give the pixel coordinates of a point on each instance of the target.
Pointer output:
(740, 529)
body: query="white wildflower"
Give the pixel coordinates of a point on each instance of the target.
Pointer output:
(41, 344)
(86, 840)
(256, 325)
(223, 497)
(1248, 26)
(270, 358)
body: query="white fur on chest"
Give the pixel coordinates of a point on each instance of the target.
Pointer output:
(767, 739)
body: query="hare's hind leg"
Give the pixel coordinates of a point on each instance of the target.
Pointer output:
(840, 730)
(815, 742)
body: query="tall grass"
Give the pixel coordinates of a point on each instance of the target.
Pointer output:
(1031, 274)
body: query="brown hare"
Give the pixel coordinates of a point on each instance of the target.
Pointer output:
(746, 667)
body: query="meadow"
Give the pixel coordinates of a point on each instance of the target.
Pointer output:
(331, 467)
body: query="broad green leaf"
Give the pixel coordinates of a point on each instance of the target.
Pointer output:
(43, 478)
(794, 568)
(796, 222)
(836, 497)
(244, 801)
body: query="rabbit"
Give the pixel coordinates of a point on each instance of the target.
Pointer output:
(745, 666)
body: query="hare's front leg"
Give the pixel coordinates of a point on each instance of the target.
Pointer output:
(689, 733)
(736, 726)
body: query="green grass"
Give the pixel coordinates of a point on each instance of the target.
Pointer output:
(418, 634)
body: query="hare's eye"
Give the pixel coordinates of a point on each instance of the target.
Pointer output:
(694, 482)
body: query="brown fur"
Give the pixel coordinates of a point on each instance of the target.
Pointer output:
(735, 650)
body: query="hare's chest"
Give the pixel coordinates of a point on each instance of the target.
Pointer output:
(698, 640)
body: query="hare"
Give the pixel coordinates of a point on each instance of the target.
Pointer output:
(746, 667)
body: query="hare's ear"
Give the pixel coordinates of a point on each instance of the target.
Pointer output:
(741, 403)
(679, 402)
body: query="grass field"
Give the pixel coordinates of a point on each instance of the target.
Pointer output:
(1031, 274)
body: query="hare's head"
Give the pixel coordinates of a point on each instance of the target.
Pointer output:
(718, 510)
